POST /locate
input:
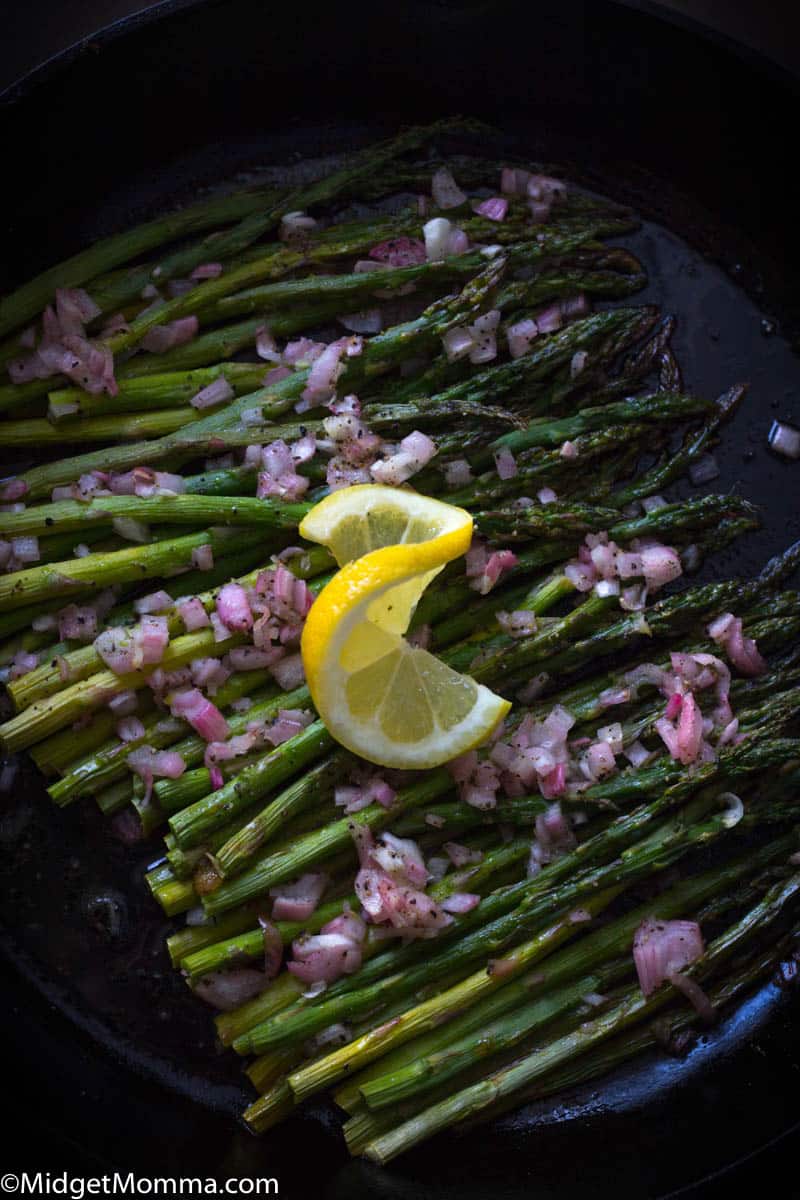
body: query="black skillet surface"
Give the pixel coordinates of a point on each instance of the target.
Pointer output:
(113, 1053)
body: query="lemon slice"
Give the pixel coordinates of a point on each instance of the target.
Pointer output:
(355, 520)
(390, 702)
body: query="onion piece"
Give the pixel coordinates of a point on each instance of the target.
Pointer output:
(784, 439)
(495, 208)
(445, 191)
(397, 252)
(437, 233)
(703, 470)
(204, 717)
(662, 948)
(297, 901)
(295, 226)
(216, 392)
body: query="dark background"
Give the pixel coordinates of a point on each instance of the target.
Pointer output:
(33, 32)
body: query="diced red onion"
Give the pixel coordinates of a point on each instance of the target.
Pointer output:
(400, 252)
(495, 208)
(518, 624)
(366, 320)
(482, 798)
(636, 754)
(297, 901)
(323, 375)
(457, 243)
(460, 902)
(131, 530)
(23, 662)
(295, 226)
(209, 270)
(549, 319)
(483, 331)
(14, 489)
(445, 191)
(216, 392)
(577, 363)
(662, 948)
(250, 658)
(153, 602)
(521, 335)
(600, 760)
(164, 337)
(130, 729)
(193, 614)
(653, 503)
(233, 608)
(204, 717)
(228, 990)
(289, 673)
(784, 440)
(460, 855)
(25, 549)
(324, 956)
(660, 564)
(437, 235)
(458, 343)
(498, 562)
(457, 473)
(77, 624)
(703, 470)
(582, 576)
(124, 704)
(149, 763)
(534, 688)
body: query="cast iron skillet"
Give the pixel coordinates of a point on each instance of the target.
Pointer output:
(109, 1050)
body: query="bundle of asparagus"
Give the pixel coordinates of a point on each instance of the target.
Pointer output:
(154, 595)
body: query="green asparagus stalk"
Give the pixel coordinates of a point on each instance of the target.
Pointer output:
(695, 443)
(498, 918)
(27, 301)
(136, 563)
(164, 390)
(75, 430)
(73, 516)
(82, 663)
(381, 353)
(633, 1008)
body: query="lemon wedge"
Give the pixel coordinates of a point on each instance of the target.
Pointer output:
(392, 703)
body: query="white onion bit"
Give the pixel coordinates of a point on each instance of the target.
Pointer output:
(784, 440)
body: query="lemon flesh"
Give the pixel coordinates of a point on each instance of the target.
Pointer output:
(392, 703)
(353, 521)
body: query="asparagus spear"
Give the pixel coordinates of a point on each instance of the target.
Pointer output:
(74, 516)
(138, 562)
(364, 166)
(166, 389)
(633, 1008)
(380, 354)
(498, 920)
(249, 944)
(672, 466)
(553, 432)
(108, 760)
(364, 1125)
(82, 662)
(425, 1063)
(29, 299)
